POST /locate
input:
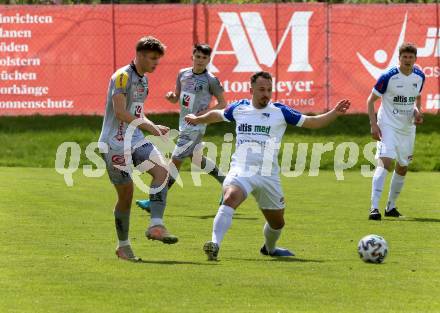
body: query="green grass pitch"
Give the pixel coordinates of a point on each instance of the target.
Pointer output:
(57, 249)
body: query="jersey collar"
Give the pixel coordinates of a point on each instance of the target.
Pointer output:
(199, 73)
(134, 69)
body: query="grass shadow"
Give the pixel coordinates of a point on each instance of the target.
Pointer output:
(281, 259)
(170, 262)
(211, 216)
(413, 219)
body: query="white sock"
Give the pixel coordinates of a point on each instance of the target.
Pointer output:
(222, 222)
(156, 221)
(123, 243)
(271, 237)
(396, 186)
(376, 189)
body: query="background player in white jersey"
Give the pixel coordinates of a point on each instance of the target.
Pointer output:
(195, 87)
(126, 94)
(394, 127)
(260, 126)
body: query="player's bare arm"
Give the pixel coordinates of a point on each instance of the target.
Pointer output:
(375, 130)
(418, 114)
(119, 104)
(323, 120)
(211, 117)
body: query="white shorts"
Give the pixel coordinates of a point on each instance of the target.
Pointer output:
(395, 145)
(266, 189)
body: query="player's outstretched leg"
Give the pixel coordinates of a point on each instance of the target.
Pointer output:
(233, 197)
(157, 231)
(273, 233)
(145, 204)
(222, 222)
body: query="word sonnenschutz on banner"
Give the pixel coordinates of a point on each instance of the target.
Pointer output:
(58, 59)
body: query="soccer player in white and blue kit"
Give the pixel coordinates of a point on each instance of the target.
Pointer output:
(394, 128)
(260, 126)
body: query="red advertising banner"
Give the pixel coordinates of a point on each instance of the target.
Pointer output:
(365, 42)
(59, 59)
(54, 59)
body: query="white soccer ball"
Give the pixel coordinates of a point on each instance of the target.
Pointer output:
(373, 249)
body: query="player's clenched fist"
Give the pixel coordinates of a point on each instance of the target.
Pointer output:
(191, 119)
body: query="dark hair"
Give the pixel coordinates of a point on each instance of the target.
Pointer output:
(408, 47)
(263, 74)
(149, 43)
(203, 48)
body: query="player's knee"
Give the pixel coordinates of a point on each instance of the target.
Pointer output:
(124, 202)
(231, 198)
(276, 224)
(160, 175)
(386, 163)
(125, 199)
(388, 166)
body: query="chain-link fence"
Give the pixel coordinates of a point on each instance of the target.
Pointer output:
(59, 59)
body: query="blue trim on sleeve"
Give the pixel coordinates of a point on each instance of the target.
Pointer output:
(382, 82)
(290, 115)
(228, 113)
(419, 72)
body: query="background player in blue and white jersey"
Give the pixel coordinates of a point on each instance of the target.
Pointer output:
(394, 127)
(126, 95)
(260, 126)
(195, 87)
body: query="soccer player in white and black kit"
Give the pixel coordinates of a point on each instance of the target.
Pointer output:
(260, 126)
(195, 87)
(394, 128)
(128, 89)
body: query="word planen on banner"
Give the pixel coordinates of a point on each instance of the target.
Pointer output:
(54, 59)
(59, 59)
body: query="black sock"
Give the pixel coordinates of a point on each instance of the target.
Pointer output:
(122, 223)
(214, 172)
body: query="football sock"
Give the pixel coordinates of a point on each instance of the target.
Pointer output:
(123, 243)
(222, 222)
(271, 237)
(378, 181)
(158, 202)
(396, 186)
(171, 182)
(156, 221)
(214, 172)
(122, 223)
